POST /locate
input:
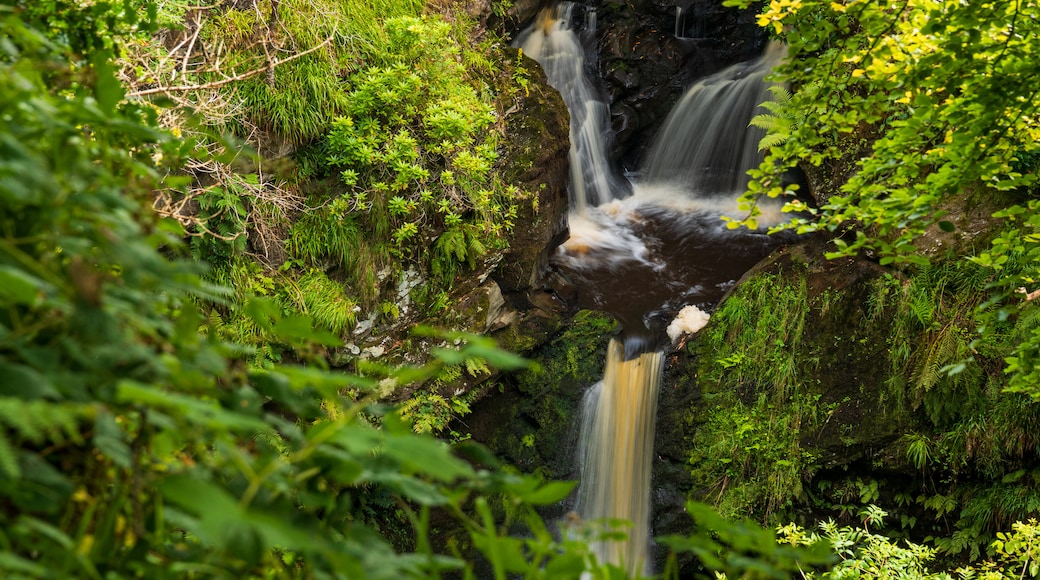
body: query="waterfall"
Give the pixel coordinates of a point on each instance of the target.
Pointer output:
(552, 42)
(706, 144)
(616, 452)
(646, 257)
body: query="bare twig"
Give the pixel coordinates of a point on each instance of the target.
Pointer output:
(1028, 295)
(238, 77)
(191, 45)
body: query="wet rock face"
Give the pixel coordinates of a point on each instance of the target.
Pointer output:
(535, 158)
(644, 66)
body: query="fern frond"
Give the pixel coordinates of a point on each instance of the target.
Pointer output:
(781, 120)
(476, 249)
(771, 140)
(37, 422)
(8, 458)
(939, 352)
(476, 367)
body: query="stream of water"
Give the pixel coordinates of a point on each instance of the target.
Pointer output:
(645, 251)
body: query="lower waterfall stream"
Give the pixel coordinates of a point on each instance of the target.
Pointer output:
(643, 251)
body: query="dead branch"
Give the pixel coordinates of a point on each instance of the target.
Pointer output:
(191, 45)
(1029, 296)
(236, 78)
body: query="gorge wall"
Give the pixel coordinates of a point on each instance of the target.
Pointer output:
(820, 386)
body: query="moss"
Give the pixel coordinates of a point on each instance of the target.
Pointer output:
(827, 386)
(531, 422)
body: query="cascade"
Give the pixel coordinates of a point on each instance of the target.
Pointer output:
(647, 256)
(552, 42)
(615, 453)
(720, 106)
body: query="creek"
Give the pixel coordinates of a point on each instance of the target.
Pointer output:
(650, 248)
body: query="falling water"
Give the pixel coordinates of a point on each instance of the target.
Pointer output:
(719, 106)
(660, 251)
(552, 42)
(616, 449)
(590, 20)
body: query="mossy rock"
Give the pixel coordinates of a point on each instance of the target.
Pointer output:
(535, 158)
(817, 389)
(532, 421)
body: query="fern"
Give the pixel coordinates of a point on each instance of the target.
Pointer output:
(938, 352)
(456, 246)
(36, 422)
(476, 367)
(781, 120)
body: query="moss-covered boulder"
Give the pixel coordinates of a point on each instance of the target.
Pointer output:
(822, 386)
(535, 158)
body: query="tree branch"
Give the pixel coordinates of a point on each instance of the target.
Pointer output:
(222, 82)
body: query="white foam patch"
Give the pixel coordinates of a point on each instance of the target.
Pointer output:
(605, 236)
(681, 201)
(689, 320)
(602, 238)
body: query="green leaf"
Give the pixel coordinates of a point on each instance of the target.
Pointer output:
(107, 89)
(26, 383)
(197, 495)
(496, 357)
(428, 456)
(506, 553)
(13, 563)
(19, 287)
(9, 458)
(205, 412)
(566, 565)
(947, 226)
(110, 439)
(410, 488)
(550, 493)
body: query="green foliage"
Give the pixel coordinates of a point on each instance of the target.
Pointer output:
(741, 548)
(965, 436)
(756, 335)
(942, 367)
(298, 100)
(326, 302)
(863, 554)
(320, 238)
(924, 100)
(416, 147)
(417, 167)
(134, 445)
(433, 413)
(938, 361)
(780, 121)
(750, 447)
(754, 456)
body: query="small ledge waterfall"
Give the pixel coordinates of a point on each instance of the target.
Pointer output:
(643, 252)
(552, 43)
(720, 106)
(616, 450)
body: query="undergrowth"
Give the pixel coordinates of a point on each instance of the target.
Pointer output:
(390, 125)
(967, 451)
